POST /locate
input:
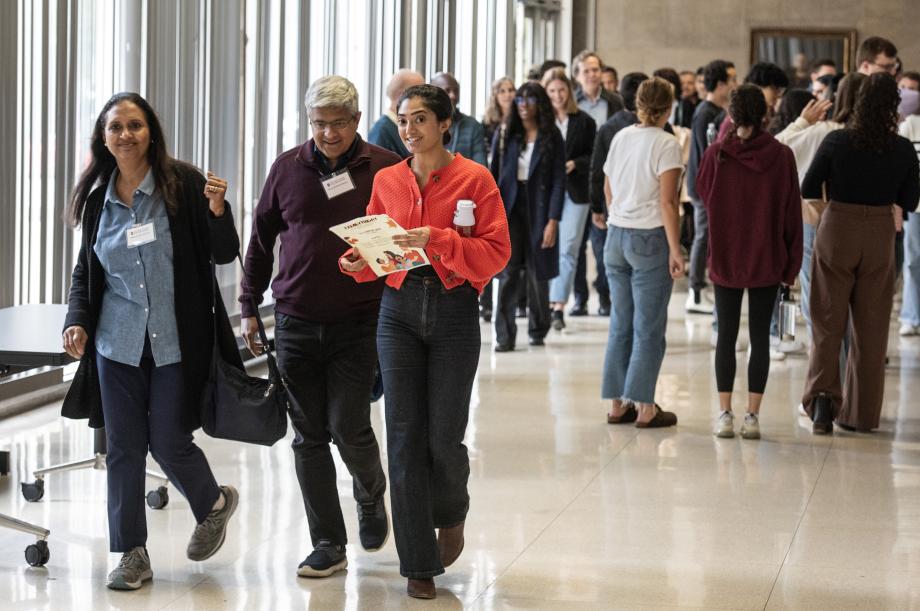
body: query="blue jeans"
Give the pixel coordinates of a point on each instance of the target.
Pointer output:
(428, 343)
(571, 230)
(143, 409)
(910, 305)
(636, 261)
(808, 247)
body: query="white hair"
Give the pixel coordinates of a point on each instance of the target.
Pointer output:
(332, 92)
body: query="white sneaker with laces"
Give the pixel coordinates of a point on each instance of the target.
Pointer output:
(908, 330)
(696, 304)
(750, 428)
(725, 426)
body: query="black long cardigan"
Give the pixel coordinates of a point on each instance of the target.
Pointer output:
(579, 144)
(197, 235)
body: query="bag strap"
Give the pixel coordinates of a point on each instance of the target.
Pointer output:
(252, 302)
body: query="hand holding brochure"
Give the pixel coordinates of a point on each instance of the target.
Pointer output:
(373, 237)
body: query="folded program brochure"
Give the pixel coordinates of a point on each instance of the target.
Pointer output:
(373, 237)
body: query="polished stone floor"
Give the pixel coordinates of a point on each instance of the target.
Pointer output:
(567, 511)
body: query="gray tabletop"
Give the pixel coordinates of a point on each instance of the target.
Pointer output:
(30, 335)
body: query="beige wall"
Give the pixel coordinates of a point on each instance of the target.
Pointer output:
(684, 34)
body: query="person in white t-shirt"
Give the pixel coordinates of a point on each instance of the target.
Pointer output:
(642, 256)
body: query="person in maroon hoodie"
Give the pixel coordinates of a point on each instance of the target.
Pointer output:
(749, 185)
(325, 324)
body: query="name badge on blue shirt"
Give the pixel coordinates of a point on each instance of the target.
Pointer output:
(138, 235)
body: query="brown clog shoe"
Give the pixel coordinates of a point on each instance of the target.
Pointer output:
(628, 416)
(421, 588)
(661, 420)
(450, 543)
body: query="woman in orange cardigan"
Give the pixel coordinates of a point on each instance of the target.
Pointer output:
(428, 334)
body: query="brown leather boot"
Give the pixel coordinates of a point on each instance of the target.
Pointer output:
(421, 588)
(450, 542)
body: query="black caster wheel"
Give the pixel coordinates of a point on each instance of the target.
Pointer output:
(34, 491)
(158, 499)
(38, 554)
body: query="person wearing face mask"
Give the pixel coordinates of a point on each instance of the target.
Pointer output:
(141, 322)
(428, 331)
(577, 129)
(325, 339)
(531, 176)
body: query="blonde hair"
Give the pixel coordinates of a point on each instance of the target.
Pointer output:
(654, 100)
(493, 114)
(558, 74)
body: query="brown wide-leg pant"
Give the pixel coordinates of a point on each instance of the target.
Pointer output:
(852, 273)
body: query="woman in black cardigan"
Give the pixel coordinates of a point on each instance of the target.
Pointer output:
(140, 321)
(529, 166)
(578, 130)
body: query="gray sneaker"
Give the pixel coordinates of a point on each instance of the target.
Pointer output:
(725, 426)
(210, 534)
(750, 428)
(132, 571)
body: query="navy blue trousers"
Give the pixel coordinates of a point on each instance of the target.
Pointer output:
(143, 408)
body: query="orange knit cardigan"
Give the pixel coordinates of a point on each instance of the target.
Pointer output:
(455, 258)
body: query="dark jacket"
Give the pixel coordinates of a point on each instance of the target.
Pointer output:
(614, 100)
(579, 142)
(385, 134)
(294, 208)
(545, 191)
(467, 138)
(706, 112)
(751, 193)
(197, 236)
(602, 141)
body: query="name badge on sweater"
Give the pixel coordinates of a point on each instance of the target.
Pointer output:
(138, 235)
(337, 183)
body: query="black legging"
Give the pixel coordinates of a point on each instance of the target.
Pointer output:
(760, 313)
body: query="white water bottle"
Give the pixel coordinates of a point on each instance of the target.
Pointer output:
(464, 217)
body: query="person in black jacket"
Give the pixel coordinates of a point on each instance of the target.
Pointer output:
(577, 129)
(530, 173)
(142, 326)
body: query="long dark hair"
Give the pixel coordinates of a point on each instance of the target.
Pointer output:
(546, 120)
(875, 118)
(847, 93)
(102, 164)
(790, 108)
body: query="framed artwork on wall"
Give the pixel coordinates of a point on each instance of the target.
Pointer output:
(795, 50)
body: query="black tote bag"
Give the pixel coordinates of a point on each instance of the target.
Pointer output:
(239, 407)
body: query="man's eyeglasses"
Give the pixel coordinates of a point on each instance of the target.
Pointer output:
(336, 126)
(889, 68)
(528, 100)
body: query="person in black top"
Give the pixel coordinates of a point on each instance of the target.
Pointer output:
(864, 169)
(719, 78)
(577, 129)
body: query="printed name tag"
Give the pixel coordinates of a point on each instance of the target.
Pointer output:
(138, 235)
(338, 183)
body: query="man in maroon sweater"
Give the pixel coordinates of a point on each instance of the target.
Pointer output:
(325, 323)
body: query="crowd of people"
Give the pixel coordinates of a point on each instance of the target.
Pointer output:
(764, 185)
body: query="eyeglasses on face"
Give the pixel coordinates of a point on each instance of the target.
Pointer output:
(337, 125)
(525, 100)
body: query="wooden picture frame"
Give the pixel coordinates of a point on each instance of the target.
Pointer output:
(786, 46)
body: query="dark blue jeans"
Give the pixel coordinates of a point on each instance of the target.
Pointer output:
(428, 342)
(143, 409)
(329, 371)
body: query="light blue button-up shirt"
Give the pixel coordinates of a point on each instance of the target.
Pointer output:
(597, 109)
(139, 297)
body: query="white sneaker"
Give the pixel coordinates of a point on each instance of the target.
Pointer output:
(696, 304)
(908, 330)
(725, 426)
(750, 428)
(791, 346)
(777, 355)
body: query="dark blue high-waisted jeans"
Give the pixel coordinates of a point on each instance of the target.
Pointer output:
(428, 344)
